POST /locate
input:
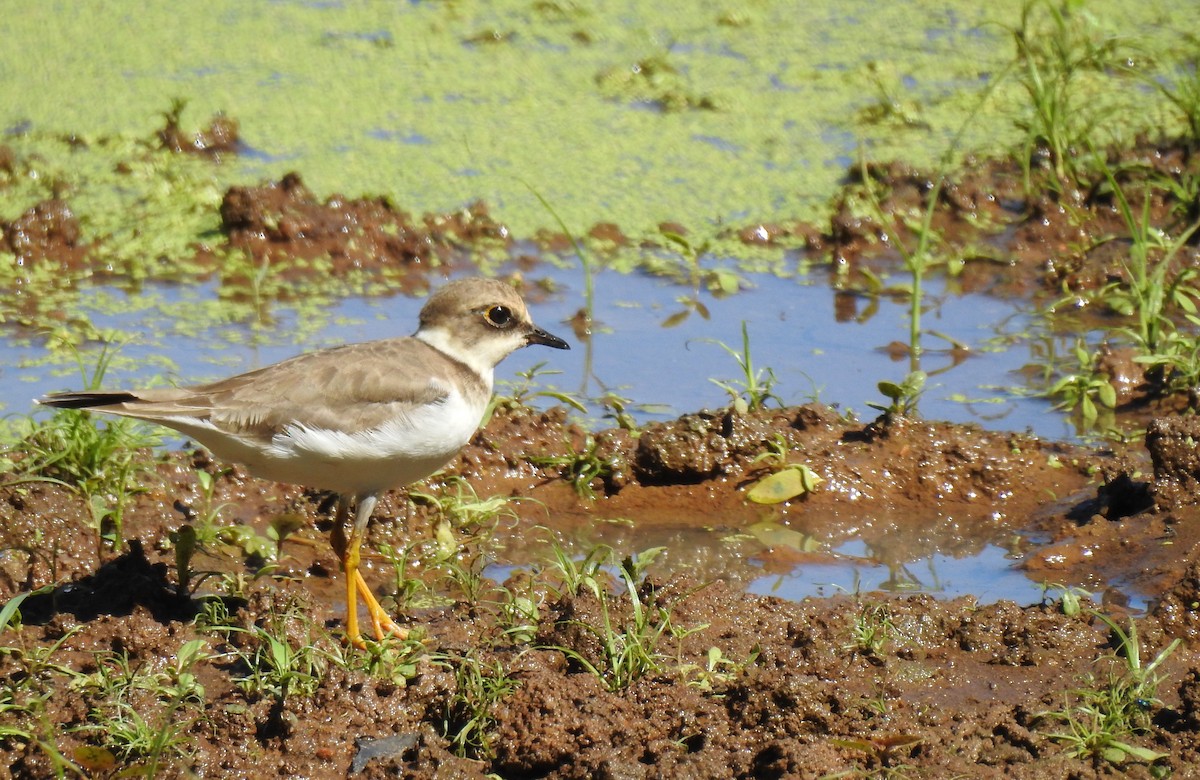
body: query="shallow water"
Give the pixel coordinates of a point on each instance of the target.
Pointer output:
(988, 576)
(793, 326)
(794, 330)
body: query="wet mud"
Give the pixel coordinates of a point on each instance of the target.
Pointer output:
(947, 688)
(671, 670)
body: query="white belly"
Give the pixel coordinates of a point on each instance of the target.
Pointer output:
(399, 452)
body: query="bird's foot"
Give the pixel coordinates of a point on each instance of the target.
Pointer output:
(381, 622)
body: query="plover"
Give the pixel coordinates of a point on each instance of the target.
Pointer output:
(355, 420)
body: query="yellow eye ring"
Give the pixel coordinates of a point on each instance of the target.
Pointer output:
(500, 316)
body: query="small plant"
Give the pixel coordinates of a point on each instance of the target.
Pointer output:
(468, 718)
(617, 410)
(467, 577)
(391, 659)
(99, 460)
(1087, 390)
(130, 738)
(275, 667)
(574, 576)
(520, 614)
(1057, 43)
(1101, 716)
(718, 669)
(718, 281)
(581, 467)
(130, 731)
(206, 515)
(871, 631)
(1155, 291)
(628, 651)
(1069, 599)
(1148, 296)
(31, 677)
(903, 396)
(407, 589)
(755, 388)
(528, 386)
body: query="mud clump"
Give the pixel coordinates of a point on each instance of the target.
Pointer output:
(1179, 608)
(48, 231)
(1174, 447)
(215, 141)
(284, 221)
(705, 445)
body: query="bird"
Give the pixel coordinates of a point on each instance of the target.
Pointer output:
(354, 420)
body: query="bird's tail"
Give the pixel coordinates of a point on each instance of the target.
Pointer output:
(85, 399)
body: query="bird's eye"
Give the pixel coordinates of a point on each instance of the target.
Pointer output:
(500, 316)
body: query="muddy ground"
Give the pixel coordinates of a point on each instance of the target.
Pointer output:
(693, 677)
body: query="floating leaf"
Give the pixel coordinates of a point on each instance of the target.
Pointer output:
(784, 485)
(1114, 751)
(95, 759)
(776, 535)
(676, 319)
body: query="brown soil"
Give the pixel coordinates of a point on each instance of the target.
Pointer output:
(740, 685)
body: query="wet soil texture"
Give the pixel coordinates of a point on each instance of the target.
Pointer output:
(226, 661)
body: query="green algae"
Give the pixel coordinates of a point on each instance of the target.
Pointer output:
(706, 113)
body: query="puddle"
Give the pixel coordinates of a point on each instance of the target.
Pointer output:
(990, 575)
(796, 329)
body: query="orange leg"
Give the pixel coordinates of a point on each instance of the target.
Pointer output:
(381, 621)
(348, 550)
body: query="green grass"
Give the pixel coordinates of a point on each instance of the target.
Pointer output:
(628, 649)
(581, 466)
(277, 667)
(467, 720)
(1060, 48)
(566, 575)
(871, 631)
(137, 713)
(718, 669)
(29, 677)
(1156, 299)
(753, 389)
(1103, 715)
(102, 460)
(139, 717)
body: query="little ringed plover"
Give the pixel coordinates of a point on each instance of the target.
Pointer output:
(356, 419)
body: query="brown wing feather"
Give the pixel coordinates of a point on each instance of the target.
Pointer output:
(345, 388)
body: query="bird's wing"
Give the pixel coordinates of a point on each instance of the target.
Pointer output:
(345, 388)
